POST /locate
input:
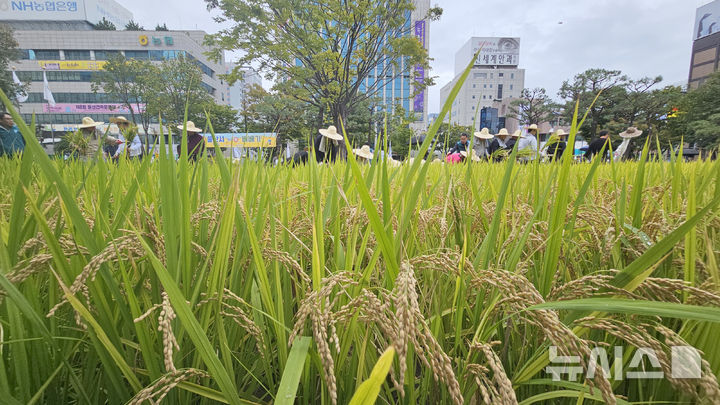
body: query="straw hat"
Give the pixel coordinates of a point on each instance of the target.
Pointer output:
(88, 122)
(190, 127)
(630, 133)
(331, 133)
(484, 134)
(503, 132)
(560, 133)
(364, 152)
(518, 134)
(531, 127)
(475, 157)
(119, 120)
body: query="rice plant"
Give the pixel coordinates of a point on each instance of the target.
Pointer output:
(212, 282)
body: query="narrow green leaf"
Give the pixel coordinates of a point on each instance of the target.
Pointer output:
(293, 370)
(368, 391)
(636, 307)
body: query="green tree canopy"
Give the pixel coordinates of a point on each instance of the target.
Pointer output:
(8, 53)
(698, 121)
(104, 25)
(162, 27)
(277, 112)
(585, 87)
(131, 81)
(533, 107)
(318, 59)
(223, 117)
(178, 83)
(133, 26)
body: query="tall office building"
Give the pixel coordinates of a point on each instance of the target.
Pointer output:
(59, 37)
(705, 58)
(494, 81)
(239, 90)
(400, 90)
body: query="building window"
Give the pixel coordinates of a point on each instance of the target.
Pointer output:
(484, 97)
(156, 55)
(169, 55)
(139, 55)
(512, 75)
(208, 88)
(106, 55)
(27, 54)
(55, 76)
(491, 86)
(78, 98)
(492, 75)
(511, 87)
(473, 97)
(500, 91)
(484, 86)
(47, 54)
(501, 74)
(77, 55)
(473, 86)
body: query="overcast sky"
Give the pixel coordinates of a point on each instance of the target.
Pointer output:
(639, 37)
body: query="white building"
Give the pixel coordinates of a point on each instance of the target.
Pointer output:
(494, 81)
(62, 41)
(239, 90)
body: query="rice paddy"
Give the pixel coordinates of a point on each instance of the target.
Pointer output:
(216, 282)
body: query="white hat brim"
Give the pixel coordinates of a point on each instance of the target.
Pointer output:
(359, 152)
(332, 135)
(190, 129)
(93, 125)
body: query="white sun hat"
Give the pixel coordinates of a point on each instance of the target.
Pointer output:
(332, 133)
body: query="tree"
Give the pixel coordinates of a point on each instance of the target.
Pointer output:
(223, 117)
(363, 122)
(276, 112)
(698, 120)
(449, 135)
(178, 83)
(533, 107)
(585, 87)
(319, 61)
(161, 27)
(8, 53)
(133, 26)
(104, 25)
(399, 132)
(633, 101)
(132, 82)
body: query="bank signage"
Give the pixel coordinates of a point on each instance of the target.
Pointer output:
(145, 40)
(65, 10)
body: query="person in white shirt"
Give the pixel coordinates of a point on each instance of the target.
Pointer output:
(529, 142)
(127, 131)
(481, 143)
(621, 152)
